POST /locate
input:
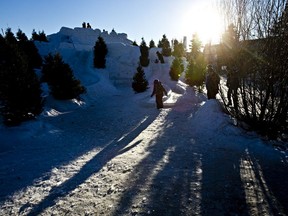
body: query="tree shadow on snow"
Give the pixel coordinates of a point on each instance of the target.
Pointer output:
(184, 177)
(116, 147)
(25, 160)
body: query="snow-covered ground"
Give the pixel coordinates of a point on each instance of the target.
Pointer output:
(114, 153)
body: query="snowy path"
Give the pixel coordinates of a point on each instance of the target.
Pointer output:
(136, 160)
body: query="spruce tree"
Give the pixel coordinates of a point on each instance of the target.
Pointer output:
(160, 44)
(195, 72)
(20, 92)
(178, 50)
(195, 46)
(165, 45)
(40, 36)
(30, 50)
(100, 52)
(10, 37)
(144, 50)
(176, 69)
(60, 79)
(139, 84)
(152, 44)
(134, 43)
(229, 47)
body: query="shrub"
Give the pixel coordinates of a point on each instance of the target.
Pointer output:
(100, 52)
(176, 69)
(144, 50)
(139, 84)
(60, 79)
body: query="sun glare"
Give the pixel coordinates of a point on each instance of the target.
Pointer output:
(205, 21)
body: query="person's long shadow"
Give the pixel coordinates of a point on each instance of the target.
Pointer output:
(167, 175)
(93, 166)
(195, 175)
(203, 173)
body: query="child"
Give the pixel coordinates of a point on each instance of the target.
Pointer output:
(159, 91)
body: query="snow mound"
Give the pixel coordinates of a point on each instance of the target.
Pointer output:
(210, 116)
(84, 38)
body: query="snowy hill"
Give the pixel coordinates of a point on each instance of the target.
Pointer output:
(76, 47)
(114, 153)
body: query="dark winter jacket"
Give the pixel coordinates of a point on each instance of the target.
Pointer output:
(158, 90)
(212, 82)
(232, 80)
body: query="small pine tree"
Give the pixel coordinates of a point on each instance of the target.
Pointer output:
(40, 36)
(195, 46)
(195, 72)
(60, 79)
(165, 45)
(176, 69)
(144, 50)
(178, 50)
(152, 44)
(134, 43)
(139, 84)
(100, 52)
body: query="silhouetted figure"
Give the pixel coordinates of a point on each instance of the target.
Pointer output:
(83, 25)
(160, 57)
(159, 91)
(88, 25)
(232, 84)
(212, 82)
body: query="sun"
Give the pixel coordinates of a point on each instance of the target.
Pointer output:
(206, 22)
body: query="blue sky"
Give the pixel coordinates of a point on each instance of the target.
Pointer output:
(137, 18)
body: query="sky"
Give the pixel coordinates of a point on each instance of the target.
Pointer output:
(149, 19)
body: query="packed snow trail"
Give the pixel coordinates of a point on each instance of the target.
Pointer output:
(122, 156)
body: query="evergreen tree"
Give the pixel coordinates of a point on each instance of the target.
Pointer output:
(195, 46)
(229, 47)
(30, 50)
(160, 44)
(60, 79)
(40, 36)
(100, 52)
(20, 92)
(165, 45)
(21, 36)
(152, 44)
(144, 57)
(178, 50)
(195, 72)
(139, 84)
(134, 43)
(10, 37)
(176, 69)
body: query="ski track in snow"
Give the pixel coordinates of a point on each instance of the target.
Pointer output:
(137, 160)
